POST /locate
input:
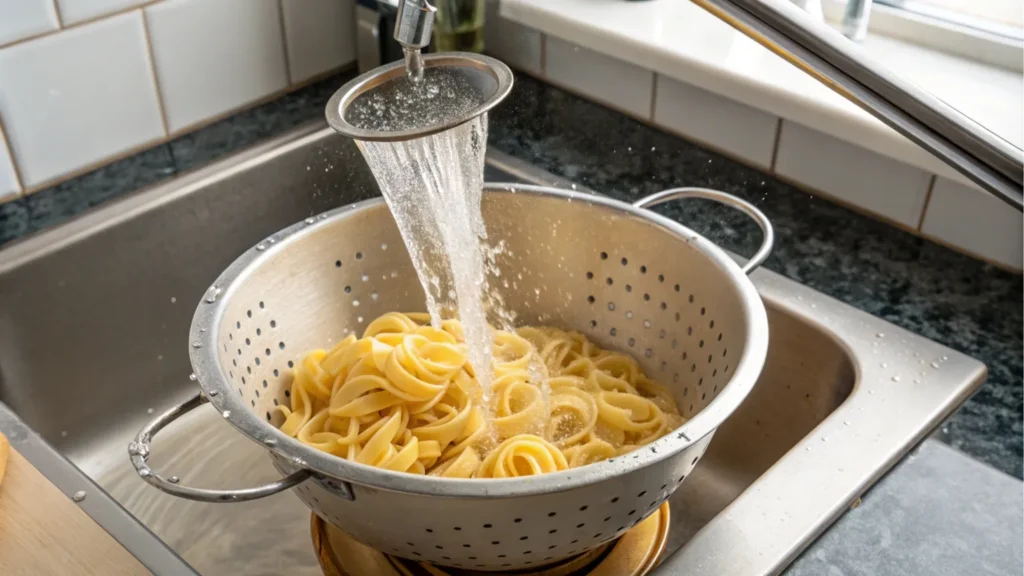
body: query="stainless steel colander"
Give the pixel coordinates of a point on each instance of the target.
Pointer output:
(628, 278)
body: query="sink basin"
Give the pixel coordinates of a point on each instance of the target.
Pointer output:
(94, 320)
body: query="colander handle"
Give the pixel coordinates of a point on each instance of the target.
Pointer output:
(139, 451)
(729, 200)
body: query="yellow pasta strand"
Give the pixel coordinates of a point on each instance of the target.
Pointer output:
(403, 397)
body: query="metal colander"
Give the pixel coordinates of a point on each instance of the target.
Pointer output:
(628, 278)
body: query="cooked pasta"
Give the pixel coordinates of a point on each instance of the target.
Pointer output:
(404, 397)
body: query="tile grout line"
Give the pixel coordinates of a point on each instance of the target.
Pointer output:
(60, 19)
(14, 163)
(85, 22)
(927, 201)
(284, 43)
(654, 95)
(544, 55)
(775, 146)
(152, 71)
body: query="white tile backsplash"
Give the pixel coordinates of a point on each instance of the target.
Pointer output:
(733, 128)
(213, 56)
(73, 99)
(8, 179)
(319, 35)
(975, 221)
(511, 42)
(24, 18)
(75, 11)
(852, 174)
(614, 82)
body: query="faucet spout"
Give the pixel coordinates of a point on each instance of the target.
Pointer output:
(413, 28)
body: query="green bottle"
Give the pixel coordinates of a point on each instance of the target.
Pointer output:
(459, 26)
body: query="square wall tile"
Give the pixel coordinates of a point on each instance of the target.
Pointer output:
(599, 77)
(731, 127)
(976, 222)
(320, 36)
(23, 18)
(511, 42)
(9, 187)
(851, 174)
(78, 97)
(75, 11)
(214, 56)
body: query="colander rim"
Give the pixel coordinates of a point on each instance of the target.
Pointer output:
(217, 387)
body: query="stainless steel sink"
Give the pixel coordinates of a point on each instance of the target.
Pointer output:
(94, 320)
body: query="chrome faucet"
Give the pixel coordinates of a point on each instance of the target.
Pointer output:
(413, 27)
(977, 153)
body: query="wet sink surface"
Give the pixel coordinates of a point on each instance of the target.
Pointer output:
(94, 321)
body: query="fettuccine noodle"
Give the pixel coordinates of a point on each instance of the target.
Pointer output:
(404, 397)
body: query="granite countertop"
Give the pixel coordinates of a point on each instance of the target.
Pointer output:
(950, 298)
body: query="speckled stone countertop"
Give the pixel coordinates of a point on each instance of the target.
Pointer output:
(960, 302)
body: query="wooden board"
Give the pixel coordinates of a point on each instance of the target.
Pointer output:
(43, 532)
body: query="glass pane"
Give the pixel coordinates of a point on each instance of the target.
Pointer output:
(1000, 16)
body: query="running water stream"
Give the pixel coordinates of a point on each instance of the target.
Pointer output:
(433, 186)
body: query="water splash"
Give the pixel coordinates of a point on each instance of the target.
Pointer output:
(433, 186)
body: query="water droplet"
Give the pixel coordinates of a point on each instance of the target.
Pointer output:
(173, 299)
(159, 356)
(78, 496)
(895, 378)
(935, 364)
(917, 380)
(197, 344)
(192, 377)
(270, 442)
(213, 393)
(213, 294)
(944, 358)
(226, 413)
(261, 247)
(365, 278)
(271, 241)
(149, 410)
(374, 296)
(824, 438)
(880, 335)
(145, 472)
(884, 365)
(846, 422)
(384, 246)
(359, 319)
(174, 479)
(310, 220)
(355, 303)
(63, 433)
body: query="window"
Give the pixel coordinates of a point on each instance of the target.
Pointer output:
(1002, 17)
